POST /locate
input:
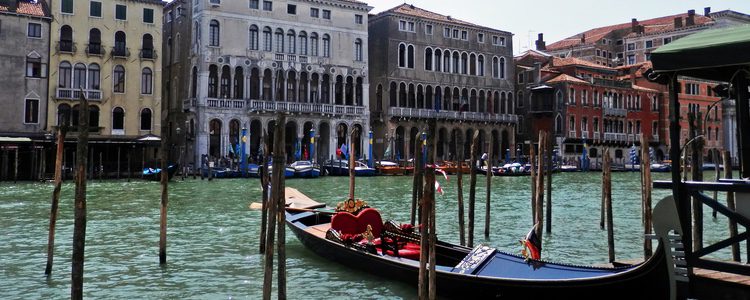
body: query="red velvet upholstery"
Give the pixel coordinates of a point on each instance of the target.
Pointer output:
(346, 223)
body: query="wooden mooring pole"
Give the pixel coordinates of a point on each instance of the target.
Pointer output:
(717, 169)
(532, 162)
(646, 195)
(275, 209)
(119, 150)
(79, 226)
(417, 179)
(280, 195)
(548, 157)
(539, 203)
(731, 205)
(696, 162)
(427, 261)
(264, 179)
(61, 131)
(607, 178)
(460, 192)
(488, 177)
(352, 161)
(473, 186)
(164, 194)
(15, 169)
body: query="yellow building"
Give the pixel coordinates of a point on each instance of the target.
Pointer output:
(110, 50)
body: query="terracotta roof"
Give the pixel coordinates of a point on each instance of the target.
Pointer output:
(650, 26)
(640, 69)
(25, 8)
(411, 10)
(640, 88)
(566, 78)
(569, 61)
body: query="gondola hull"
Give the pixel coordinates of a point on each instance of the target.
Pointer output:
(155, 174)
(645, 281)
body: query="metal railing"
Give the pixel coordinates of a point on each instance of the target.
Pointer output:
(148, 54)
(94, 49)
(584, 134)
(66, 46)
(75, 94)
(451, 115)
(318, 108)
(572, 134)
(609, 111)
(120, 52)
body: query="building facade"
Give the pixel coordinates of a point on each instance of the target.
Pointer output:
(245, 62)
(627, 47)
(434, 67)
(24, 57)
(109, 51)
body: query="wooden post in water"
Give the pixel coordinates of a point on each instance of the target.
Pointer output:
(143, 161)
(15, 170)
(532, 162)
(416, 179)
(427, 260)
(731, 205)
(61, 131)
(263, 169)
(4, 171)
(548, 157)
(119, 149)
(352, 161)
(101, 166)
(539, 203)
(607, 171)
(717, 169)
(79, 227)
(460, 192)
(130, 173)
(275, 207)
(280, 198)
(489, 189)
(164, 194)
(646, 193)
(696, 162)
(473, 186)
(603, 206)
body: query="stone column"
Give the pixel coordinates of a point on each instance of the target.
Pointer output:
(318, 91)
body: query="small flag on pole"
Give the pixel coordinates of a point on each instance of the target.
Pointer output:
(438, 188)
(532, 246)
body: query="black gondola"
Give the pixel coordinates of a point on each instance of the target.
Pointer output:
(155, 174)
(479, 273)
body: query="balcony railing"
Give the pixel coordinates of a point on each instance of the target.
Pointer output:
(451, 115)
(317, 108)
(147, 54)
(597, 136)
(620, 112)
(572, 134)
(66, 46)
(584, 134)
(279, 56)
(75, 94)
(655, 138)
(226, 103)
(189, 103)
(120, 52)
(94, 49)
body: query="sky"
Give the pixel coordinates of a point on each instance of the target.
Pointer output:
(557, 19)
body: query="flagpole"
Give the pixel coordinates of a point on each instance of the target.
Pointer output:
(243, 159)
(312, 145)
(369, 152)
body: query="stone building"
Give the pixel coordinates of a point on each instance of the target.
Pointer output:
(242, 62)
(24, 57)
(430, 66)
(108, 50)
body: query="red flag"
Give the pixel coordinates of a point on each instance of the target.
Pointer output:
(532, 245)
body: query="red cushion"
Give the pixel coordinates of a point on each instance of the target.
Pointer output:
(409, 253)
(345, 223)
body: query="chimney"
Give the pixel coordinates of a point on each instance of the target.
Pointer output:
(540, 44)
(678, 22)
(537, 72)
(583, 38)
(690, 18)
(634, 25)
(706, 11)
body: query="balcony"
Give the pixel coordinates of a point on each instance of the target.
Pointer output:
(95, 49)
(303, 59)
(655, 138)
(189, 103)
(597, 136)
(66, 47)
(238, 104)
(120, 52)
(617, 112)
(75, 94)
(572, 134)
(584, 134)
(147, 54)
(451, 115)
(315, 108)
(279, 57)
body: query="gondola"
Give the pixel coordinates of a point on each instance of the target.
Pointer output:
(341, 168)
(479, 273)
(305, 169)
(155, 174)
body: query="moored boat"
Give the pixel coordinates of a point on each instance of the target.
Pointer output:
(341, 168)
(389, 168)
(155, 174)
(392, 250)
(305, 169)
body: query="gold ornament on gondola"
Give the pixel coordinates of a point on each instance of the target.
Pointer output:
(351, 206)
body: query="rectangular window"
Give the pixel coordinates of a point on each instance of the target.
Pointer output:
(255, 4)
(446, 32)
(631, 46)
(648, 56)
(692, 89)
(121, 12)
(520, 78)
(667, 40)
(95, 9)
(291, 9)
(35, 68)
(67, 6)
(31, 111)
(358, 19)
(649, 44)
(464, 35)
(428, 29)
(480, 37)
(148, 15)
(631, 59)
(326, 14)
(314, 12)
(619, 42)
(455, 33)
(267, 5)
(35, 30)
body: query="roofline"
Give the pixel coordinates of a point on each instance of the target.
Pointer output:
(391, 12)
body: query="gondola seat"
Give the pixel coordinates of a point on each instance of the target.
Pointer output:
(346, 223)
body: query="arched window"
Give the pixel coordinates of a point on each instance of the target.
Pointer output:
(358, 50)
(118, 118)
(428, 59)
(456, 63)
(302, 43)
(502, 68)
(239, 83)
(118, 79)
(120, 44)
(446, 61)
(213, 33)
(402, 56)
(253, 37)
(63, 114)
(314, 44)
(65, 75)
(326, 45)
(146, 119)
(66, 39)
(291, 39)
(147, 86)
(472, 64)
(93, 116)
(94, 77)
(267, 39)
(520, 99)
(147, 45)
(194, 83)
(213, 81)
(438, 60)
(95, 42)
(495, 70)
(225, 81)
(410, 56)
(464, 63)
(79, 76)
(279, 40)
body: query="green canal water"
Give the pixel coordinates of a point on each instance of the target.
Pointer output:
(213, 236)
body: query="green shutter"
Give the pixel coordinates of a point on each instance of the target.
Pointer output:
(148, 15)
(121, 12)
(96, 9)
(67, 6)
